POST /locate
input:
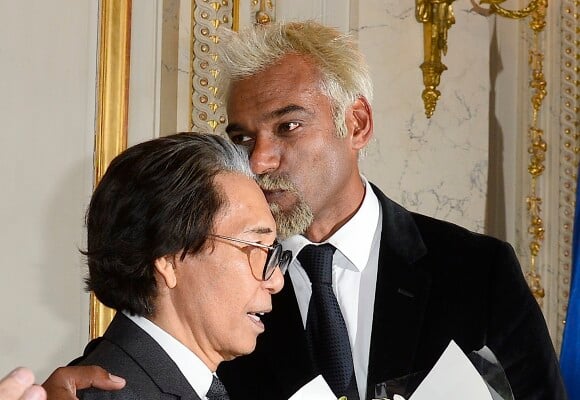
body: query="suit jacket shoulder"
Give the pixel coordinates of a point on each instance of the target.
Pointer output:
(438, 281)
(128, 351)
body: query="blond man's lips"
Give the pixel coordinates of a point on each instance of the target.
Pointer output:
(272, 195)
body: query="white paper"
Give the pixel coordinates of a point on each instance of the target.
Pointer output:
(316, 389)
(453, 377)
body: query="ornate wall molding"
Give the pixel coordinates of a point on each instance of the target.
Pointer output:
(569, 150)
(208, 115)
(537, 147)
(263, 11)
(112, 110)
(558, 119)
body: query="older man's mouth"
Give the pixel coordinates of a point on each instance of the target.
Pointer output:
(256, 318)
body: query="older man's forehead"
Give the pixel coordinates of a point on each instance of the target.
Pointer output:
(246, 209)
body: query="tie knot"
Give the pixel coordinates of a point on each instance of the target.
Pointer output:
(317, 262)
(217, 390)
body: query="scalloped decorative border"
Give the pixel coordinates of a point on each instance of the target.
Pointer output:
(569, 154)
(208, 114)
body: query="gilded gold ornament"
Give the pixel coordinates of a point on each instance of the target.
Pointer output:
(437, 17)
(495, 7)
(264, 14)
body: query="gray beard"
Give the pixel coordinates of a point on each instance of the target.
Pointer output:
(297, 219)
(292, 222)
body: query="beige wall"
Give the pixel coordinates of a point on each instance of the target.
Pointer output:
(47, 86)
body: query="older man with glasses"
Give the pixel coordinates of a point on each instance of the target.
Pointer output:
(182, 244)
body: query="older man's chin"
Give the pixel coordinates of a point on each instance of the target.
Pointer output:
(240, 351)
(294, 221)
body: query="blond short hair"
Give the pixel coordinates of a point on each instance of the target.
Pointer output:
(344, 72)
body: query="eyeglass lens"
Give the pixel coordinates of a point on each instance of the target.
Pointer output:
(276, 257)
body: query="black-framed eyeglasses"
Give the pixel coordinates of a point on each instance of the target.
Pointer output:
(276, 257)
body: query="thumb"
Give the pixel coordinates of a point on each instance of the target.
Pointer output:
(64, 382)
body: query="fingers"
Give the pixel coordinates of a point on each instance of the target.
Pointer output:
(35, 392)
(19, 385)
(101, 380)
(64, 382)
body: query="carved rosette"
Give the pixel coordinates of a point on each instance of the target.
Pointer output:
(208, 114)
(569, 153)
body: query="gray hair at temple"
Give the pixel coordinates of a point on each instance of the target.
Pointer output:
(157, 198)
(344, 72)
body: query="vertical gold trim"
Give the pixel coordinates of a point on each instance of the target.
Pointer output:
(112, 110)
(191, 68)
(236, 15)
(537, 148)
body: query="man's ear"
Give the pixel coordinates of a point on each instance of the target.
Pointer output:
(359, 122)
(166, 270)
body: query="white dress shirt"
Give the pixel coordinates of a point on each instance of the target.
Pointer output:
(195, 371)
(354, 277)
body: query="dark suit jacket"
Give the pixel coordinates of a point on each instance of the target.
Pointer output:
(128, 351)
(436, 282)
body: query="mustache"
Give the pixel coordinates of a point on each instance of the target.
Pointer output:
(280, 182)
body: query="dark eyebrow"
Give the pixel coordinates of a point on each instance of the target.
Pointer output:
(260, 230)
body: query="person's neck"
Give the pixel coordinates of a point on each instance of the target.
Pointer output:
(167, 322)
(327, 222)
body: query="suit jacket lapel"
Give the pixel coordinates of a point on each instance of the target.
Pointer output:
(401, 296)
(152, 358)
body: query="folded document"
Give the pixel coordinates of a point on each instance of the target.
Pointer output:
(453, 377)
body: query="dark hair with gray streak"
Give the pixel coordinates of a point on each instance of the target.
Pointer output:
(157, 198)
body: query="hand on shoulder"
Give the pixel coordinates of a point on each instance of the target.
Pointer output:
(64, 382)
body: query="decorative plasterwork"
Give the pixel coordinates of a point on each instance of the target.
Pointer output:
(569, 151)
(559, 120)
(208, 115)
(537, 147)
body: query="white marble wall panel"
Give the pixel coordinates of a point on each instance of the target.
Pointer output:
(435, 166)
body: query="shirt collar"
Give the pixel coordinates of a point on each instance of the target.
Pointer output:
(361, 226)
(195, 371)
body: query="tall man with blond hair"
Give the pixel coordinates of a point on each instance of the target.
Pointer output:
(299, 99)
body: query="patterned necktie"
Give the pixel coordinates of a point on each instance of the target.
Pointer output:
(325, 327)
(217, 390)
